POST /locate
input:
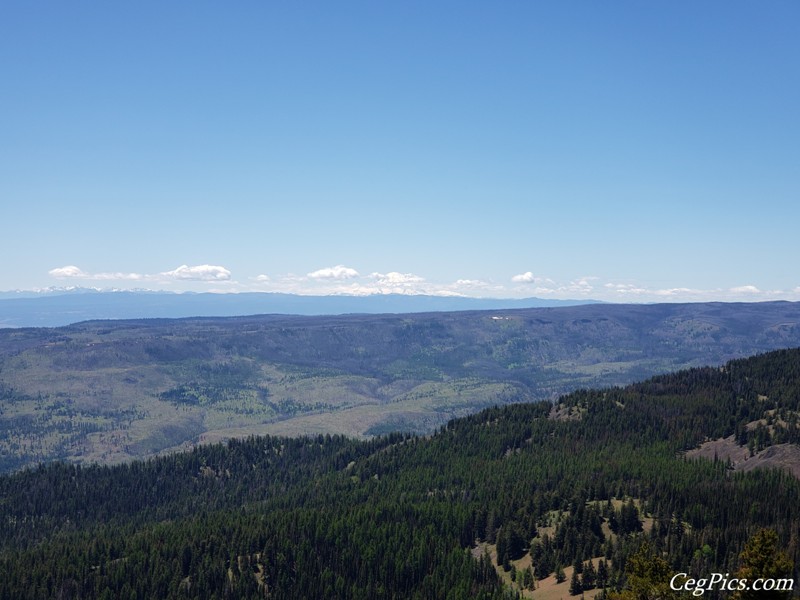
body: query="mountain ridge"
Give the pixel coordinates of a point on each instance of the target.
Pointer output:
(110, 391)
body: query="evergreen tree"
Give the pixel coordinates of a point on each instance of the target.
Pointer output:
(648, 577)
(502, 546)
(577, 565)
(761, 558)
(575, 586)
(629, 518)
(602, 573)
(528, 581)
(589, 578)
(560, 575)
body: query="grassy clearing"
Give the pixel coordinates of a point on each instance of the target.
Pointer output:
(548, 588)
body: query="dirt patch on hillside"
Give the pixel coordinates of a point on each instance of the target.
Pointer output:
(722, 449)
(786, 456)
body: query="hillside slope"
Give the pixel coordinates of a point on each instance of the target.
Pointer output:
(109, 391)
(543, 487)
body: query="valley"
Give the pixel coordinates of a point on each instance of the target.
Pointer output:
(111, 391)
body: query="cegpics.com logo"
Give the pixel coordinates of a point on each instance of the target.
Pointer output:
(717, 581)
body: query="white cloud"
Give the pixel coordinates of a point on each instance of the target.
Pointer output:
(337, 272)
(582, 285)
(625, 288)
(685, 292)
(544, 286)
(199, 273)
(527, 277)
(619, 286)
(73, 272)
(70, 271)
(343, 280)
(585, 281)
(627, 292)
(183, 273)
(746, 289)
(680, 293)
(471, 283)
(395, 278)
(119, 276)
(395, 282)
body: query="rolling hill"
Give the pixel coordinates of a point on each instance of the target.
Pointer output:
(110, 391)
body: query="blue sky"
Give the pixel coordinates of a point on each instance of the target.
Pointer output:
(624, 151)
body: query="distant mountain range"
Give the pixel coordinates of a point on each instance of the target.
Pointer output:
(57, 307)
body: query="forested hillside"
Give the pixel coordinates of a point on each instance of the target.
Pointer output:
(591, 489)
(109, 391)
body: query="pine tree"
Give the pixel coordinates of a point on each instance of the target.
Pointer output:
(575, 586)
(528, 580)
(761, 558)
(577, 565)
(560, 575)
(589, 576)
(648, 577)
(602, 573)
(502, 545)
(629, 520)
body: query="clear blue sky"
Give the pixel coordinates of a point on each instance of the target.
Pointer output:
(629, 151)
